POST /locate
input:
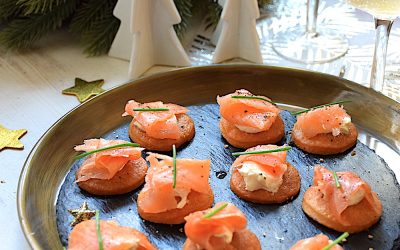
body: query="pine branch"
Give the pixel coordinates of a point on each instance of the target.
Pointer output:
(184, 8)
(98, 40)
(22, 32)
(90, 13)
(39, 6)
(8, 9)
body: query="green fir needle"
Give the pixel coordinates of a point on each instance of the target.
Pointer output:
(214, 211)
(285, 148)
(337, 241)
(252, 97)
(336, 179)
(98, 232)
(174, 166)
(129, 144)
(319, 106)
(151, 109)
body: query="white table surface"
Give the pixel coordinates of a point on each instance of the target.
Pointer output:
(30, 98)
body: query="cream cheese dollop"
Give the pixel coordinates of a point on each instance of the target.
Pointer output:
(182, 193)
(256, 179)
(344, 128)
(249, 130)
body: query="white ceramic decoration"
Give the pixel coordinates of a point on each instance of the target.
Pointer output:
(239, 38)
(154, 39)
(122, 45)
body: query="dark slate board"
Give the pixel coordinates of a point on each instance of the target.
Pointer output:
(277, 227)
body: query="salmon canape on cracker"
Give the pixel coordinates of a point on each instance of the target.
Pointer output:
(248, 120)
(324, 130)
(174, 188)
(158, 126)
(341, 201)
(262, 175)
(112, 167)
(319, 242)
(222, 227)
(90, 234)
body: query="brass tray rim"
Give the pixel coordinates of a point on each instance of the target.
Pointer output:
(21, 189)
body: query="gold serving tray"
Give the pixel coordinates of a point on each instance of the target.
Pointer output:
(377, 116)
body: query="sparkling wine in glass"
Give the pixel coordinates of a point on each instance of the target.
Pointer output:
(384, 12)
(309, 44)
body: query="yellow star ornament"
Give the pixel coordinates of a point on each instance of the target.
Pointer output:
(84, 90)
(9, 138)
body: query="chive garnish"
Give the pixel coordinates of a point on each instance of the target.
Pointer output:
(319, 106)
(337, 241)
(252, 97)
(174, 166)
(99, 238)
(150, 109)
(336, 179)
(129, 144)
(286, 148)
(214, 211)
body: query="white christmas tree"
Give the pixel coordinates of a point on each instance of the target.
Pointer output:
(122, 44)
(239, 38)
(154, 39)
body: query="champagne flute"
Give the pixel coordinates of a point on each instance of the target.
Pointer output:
(384, 12)
(311, 45)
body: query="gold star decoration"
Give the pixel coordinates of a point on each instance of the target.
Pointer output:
(81, 214)
(9, 138)
(84, 90)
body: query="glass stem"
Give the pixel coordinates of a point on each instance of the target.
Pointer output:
(379, 62)
(312, 14)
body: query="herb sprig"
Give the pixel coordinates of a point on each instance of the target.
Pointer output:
(150, 109)
(174, 166)
(252, 97)
(129, 144)
(285, 148)
(337, 241)
(335, 177)
(98, 232)
(214, 211)
(319, 106)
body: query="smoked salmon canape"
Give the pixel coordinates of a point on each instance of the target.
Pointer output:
(262, 175)
(319, 242)
(248, 120)
(222, 227)
(157, 126)
(90, 234)
(112, 167)
(324, 131)
(174, 188)
(341, 201)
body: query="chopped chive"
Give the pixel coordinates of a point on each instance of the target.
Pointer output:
(286, 148)
(99, 238)
(214, 211)
(336, 179)
(129, 144)
(337, 241)
(150, 109)
(174, 166)
(319, 106)
(252, 97)
(64, 248)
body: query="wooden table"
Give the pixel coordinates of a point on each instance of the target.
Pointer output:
(30, 98)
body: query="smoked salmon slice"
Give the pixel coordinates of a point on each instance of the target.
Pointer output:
(330, 119)
(248, 115)
(317, 242)
(223, 224)
(191, 175)
(115, 237)
(105, 164)
(156, 124)
(272, 163)
(351, 192)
